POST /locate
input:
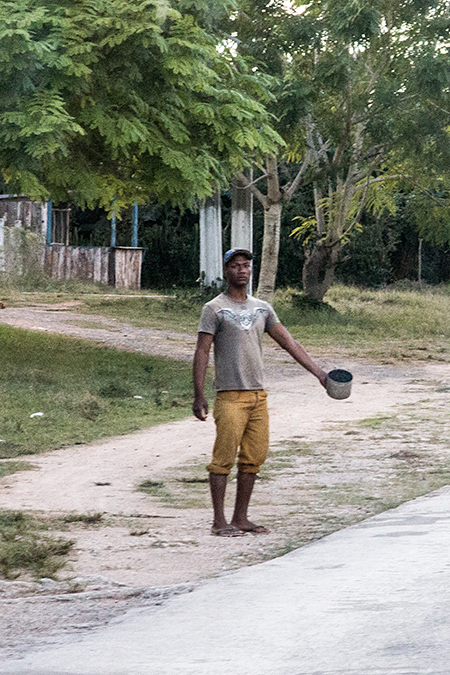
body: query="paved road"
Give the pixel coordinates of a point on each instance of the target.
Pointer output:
(372, 599)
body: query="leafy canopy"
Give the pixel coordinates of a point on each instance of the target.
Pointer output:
(124, 98)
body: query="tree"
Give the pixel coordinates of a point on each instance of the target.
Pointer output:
(364, 93)
(381, 76)
(265, 32)
(105, 99)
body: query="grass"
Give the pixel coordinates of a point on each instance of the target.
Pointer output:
(182, 487)
(156, 488)
(85, 518)
(176, 310)
(85, 391)
(25, 546)
(387, 325)
(7, 468)
(180, 314)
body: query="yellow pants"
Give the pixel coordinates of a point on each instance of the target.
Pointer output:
(242, 421)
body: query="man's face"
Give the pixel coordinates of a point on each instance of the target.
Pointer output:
(238, 271)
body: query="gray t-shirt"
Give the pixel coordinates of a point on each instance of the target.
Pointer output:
(238, 328)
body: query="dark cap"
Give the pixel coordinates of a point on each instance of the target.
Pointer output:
(236, 251)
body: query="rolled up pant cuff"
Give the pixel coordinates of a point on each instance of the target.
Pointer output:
(212, 468)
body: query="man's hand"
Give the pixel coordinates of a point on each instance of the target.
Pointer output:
(200, 408)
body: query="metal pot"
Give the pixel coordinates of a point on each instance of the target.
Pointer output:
(339, 384)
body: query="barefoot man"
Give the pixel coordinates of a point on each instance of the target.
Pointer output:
(236, 322)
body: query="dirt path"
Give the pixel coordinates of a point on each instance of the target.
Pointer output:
(58, 318)
(332, 463)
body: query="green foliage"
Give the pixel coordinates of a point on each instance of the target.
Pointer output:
(126, 99)
(306, 231)
(369, 256)
(85, 518)
(361, 92)
(377, 199)
(429, 208)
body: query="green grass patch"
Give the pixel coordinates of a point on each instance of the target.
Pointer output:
(7, 468)
(183, 487)
(45, 289)
(376, 422)
(156, 488)
(26, 547)
(85, 518)
(180, 312)
(84, 391)
(387, 325)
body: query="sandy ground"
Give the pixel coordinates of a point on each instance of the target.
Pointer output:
(150, 545)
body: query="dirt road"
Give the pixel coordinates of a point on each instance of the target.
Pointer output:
(332, 463)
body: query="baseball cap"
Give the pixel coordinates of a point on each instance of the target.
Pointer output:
(236, 251)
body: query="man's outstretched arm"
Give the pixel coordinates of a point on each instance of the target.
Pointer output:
(279, 333)
(201, 358)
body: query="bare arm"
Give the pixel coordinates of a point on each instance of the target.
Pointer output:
(279, 333)
(201, 358)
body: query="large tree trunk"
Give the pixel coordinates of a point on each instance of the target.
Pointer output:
(273, 204)
(271, 246)
(318, 270)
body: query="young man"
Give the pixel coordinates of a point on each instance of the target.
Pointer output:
(236, 322)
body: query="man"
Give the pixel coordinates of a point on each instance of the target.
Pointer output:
(236, 323)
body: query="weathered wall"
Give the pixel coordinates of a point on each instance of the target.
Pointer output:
(119, 267)
(21, 212)
(78, 262)
(127, 265)
(22, 235)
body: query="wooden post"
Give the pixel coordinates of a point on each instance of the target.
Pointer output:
(211, 265)
(242, 218)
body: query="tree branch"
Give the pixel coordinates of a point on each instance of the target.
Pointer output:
(438, 107)
(348, 127)
(253, 189)
(440, 202)
(289, 192)
(361, 207)
(382, 179)
(245, 187)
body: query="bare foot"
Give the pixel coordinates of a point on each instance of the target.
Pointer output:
(251, 527)
(227, 531)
